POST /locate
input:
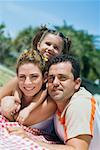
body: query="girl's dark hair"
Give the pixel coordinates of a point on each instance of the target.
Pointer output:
(38, 36)
(43, 31)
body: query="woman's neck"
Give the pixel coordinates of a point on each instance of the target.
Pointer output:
(26, 100)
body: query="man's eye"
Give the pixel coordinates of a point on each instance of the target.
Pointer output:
(50, 79)
(63, 78)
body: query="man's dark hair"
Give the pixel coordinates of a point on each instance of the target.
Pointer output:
(66, 58)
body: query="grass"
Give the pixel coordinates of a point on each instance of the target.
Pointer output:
(5, 75)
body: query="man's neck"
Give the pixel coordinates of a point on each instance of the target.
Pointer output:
(62, 104)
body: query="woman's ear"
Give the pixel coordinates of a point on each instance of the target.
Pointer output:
(44, 81)
(45, 77)
(77, 83)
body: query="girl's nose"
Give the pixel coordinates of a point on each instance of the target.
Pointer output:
(51, 48)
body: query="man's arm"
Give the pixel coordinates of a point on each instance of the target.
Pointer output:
(78, 143)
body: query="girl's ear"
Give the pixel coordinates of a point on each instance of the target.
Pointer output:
(38, 45)
(77, 83)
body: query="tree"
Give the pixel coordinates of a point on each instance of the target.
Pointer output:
(84, 47)
(5, 44)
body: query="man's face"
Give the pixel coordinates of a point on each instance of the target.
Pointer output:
(61, 83)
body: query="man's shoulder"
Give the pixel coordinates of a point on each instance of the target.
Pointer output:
(82, 99)
(82, 93)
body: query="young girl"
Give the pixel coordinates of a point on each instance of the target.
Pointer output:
(30, 71)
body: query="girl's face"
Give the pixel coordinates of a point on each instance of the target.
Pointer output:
(51, 45)
(30, 79)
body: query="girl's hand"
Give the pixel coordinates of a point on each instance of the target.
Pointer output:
(23, 115)
(9, 107)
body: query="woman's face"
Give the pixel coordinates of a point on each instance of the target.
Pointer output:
(51, 45)
(30, 79)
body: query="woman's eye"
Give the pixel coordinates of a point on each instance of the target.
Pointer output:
(33, 76)
(21, 77)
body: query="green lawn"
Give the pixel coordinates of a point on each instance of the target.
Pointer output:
(5, 74)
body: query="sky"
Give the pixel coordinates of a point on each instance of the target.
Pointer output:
(20, 14)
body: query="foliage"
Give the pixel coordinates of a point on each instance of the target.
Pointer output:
(82, 46)
(5, 45)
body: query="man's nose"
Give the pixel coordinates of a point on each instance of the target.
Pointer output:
(56, 81)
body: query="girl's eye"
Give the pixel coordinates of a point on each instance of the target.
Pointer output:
(47, 43)
(55, 47)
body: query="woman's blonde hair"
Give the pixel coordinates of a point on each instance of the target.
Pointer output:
(30, 56)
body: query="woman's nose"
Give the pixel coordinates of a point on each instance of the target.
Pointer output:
(27, 80)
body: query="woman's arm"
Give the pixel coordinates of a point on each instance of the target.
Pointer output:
(42, 112)
(8, 88)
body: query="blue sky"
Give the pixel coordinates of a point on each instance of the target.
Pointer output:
(81, 14)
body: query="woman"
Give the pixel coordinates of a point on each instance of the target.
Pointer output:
(30, 70)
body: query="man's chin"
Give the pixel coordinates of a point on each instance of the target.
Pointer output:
(56, 98)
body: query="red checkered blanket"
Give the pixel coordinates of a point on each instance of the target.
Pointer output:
(14, 142)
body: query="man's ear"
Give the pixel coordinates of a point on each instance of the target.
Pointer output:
(77, 83)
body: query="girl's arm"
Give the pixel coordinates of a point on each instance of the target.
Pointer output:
(24, 113)
(33, 105)
(41, 113)
(9, 107)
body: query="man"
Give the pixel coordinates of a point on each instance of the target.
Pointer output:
(76, 114)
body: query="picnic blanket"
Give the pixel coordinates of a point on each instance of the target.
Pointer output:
(14, 142)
